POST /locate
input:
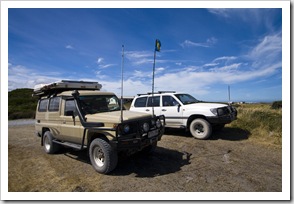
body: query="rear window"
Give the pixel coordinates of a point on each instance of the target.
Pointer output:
(43, 105)
(153, 101)
(140, 102)
(54, 104)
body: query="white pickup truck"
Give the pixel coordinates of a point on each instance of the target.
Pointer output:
(182, 110)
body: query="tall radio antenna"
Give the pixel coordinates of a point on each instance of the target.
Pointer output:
(229, 93)
(122, 85)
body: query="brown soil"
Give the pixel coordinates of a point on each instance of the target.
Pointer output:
(228, 162)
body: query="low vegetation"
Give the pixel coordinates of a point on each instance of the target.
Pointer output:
(262, 121)
(21, 104)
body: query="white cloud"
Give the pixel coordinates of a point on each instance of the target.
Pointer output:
(102, 64)
(69, 47)
(226, 68)
(225, 58)
(23, 77)
(139, 57)
(100, 60)
(209, 43)
(269, 47)
(224, 12)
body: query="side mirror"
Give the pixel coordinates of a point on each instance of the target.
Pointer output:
(179, 106)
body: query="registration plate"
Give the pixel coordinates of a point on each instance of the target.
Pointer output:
(152, 133)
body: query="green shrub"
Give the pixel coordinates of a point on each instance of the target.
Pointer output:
(276, 105)
(21, 104)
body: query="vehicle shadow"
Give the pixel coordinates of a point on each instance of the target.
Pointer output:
(160, 162)
(227, 133)
(232, 134)
(80, 155)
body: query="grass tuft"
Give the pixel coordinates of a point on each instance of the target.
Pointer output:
(263, 123)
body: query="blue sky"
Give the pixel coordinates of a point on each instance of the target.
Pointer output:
(203, 50)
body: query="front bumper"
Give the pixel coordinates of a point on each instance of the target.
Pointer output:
(225, 119)
(134, 144)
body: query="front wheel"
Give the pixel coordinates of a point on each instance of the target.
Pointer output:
(200, 129)
(102, 156)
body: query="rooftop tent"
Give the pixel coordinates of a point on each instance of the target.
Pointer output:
(64, 85)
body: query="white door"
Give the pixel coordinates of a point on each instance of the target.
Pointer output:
(172, 110)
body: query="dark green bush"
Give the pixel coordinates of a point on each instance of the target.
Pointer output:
(21, 104)
(276, 105)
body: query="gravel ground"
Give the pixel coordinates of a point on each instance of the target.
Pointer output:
(228, 162)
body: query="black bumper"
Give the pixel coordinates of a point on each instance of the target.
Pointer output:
(135, 144)
(225, 119)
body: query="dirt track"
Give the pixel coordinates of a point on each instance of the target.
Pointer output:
(228, 162)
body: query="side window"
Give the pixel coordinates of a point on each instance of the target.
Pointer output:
(43, 105)
(169, 101)
(54, 104)
(69, 106)
(140, 102)
(155, 101)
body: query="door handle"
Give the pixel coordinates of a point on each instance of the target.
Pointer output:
(163, 109)
(147, 110)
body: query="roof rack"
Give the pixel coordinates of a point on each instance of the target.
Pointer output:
(159, 92)
(64, 85)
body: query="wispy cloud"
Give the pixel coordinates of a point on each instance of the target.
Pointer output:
(139, 57)
(270, 47)
(22, 77)
(102, 64)
(224, 12)
(225, 58)
(69, 47)
(209, 43)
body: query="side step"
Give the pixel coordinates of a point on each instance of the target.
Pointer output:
(69, 144)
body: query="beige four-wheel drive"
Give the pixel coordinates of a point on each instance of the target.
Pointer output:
(77, 114)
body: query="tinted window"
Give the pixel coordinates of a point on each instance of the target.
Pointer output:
(54, 104)
(186, 98)
(99, 103)
(43, 105)
(140, 102)
(155, 100)
(169, 101)
(69, 106)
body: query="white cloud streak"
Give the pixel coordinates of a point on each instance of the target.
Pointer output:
(209, 43)
(69, 47)
(102, 64)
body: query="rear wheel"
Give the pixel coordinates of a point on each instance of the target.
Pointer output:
(102, 156)
(200, 129)
(49, 146)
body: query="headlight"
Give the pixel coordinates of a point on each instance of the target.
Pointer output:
(146, 127)
(214, 111)
(126, 128)
(158, 123)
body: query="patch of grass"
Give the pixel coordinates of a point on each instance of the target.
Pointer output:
(263, 123)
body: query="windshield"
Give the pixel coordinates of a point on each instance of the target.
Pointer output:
(186, 98)
(99, 103)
